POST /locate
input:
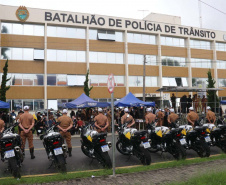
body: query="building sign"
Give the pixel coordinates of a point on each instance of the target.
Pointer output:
(22, 13)
(136, 25)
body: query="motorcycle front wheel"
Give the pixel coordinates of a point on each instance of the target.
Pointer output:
(144, 156)
(61, 163)
(223, 146)
(178, 151)
(202, 148)
(121, 148)
(85, 150)
(14, 168)
(105, 160)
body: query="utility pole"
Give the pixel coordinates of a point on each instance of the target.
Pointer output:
(144, 74)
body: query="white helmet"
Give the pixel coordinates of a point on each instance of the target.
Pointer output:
(191, 108)
(208, 108)
(100, 110)
(126, 110)
(64, 111)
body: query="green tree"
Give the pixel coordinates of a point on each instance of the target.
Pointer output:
(87, 89)
(211, 94)
(4, 88)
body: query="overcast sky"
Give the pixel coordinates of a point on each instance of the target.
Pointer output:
(188, 10)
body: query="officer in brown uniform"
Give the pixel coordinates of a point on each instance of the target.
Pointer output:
(172, 118)
(192, 117)
(101, 121)
(65, 125)
(26, 123)
(160, 117)
(126, 118)
(2, 125)
(150, 117)
(210, 116)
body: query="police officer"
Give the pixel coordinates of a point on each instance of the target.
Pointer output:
(192, 117)
(65, 125)
(2, 125)
(126, 118)
(160, 117)
(210, 116)
(150, 117)
(26, 123)
(172, 118)
(101, 121)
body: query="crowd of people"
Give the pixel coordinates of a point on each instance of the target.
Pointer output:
(199, 103)
(99, 118)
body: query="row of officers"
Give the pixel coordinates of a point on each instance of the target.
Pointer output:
(26, 123)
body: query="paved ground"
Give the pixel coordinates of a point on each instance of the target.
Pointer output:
(79, 161)
(161, 176)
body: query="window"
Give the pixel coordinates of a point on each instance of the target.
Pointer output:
(39, 54)
(222, 82)
(199, 44)
(220, 46)
(66, 32)
(174, 81)
(51, 80)
(101, 80)
(199, 82)
(105, 57)
(139, 59)
(200, 63)
(173, 61)
(137, 81)
(141, 38)
(17, 105)
(28, 103)
(110, 35)
(38, 105)
(73, 80)
(22, 29)
(61, 80)
(172, 41)
(25, 79)
(22, 53)
(221, 64)
(66, 55)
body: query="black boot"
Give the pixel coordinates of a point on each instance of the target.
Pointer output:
(23, 151)
(32, 153)
(69, 151)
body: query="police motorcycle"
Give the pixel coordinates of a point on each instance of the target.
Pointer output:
(11, 151)
(165, 140)
(55, 148)
(217, 135)
(197, 139)
(133, 142)
(94, 145)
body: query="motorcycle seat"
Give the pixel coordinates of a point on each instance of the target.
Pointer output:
(198, 128)
(173, 130)
(222, 126)
(140, 133)
(99, 135)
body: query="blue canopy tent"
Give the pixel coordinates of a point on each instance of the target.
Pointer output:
(223, 102)
(131, 101)
(4, 105)
(84, 101)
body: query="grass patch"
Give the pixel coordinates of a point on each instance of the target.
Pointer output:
(218, 178)
(83, 174)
